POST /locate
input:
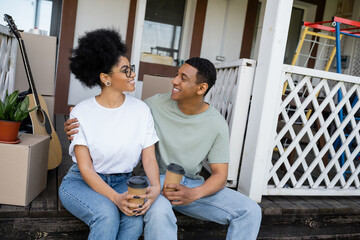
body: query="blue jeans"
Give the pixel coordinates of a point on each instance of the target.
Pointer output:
(224, 207)
(103, 217)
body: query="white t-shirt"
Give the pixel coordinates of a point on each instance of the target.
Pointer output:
(115, 137)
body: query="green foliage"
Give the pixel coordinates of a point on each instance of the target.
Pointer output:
(12, 109)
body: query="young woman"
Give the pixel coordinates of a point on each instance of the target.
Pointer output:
(116, 131)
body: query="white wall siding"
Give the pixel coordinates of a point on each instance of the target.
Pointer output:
(93, 14)
(223, 34)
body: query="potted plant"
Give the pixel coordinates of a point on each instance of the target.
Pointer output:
(12, 112)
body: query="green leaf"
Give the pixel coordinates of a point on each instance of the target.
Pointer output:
(25, 104)
(16, 115)
(33, 109)
(7, 107)
(12, 113)
(13, 97)
(23, 116)
(2, 110)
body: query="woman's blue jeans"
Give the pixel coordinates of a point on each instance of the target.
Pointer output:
(103, 217)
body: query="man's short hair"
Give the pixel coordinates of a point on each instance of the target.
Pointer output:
(206, 71)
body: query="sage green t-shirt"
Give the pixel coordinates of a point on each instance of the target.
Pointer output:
(188, 139)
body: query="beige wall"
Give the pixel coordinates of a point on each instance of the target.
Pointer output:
(330, 9)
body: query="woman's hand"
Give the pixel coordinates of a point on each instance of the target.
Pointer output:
(152, 193)
(121, 201)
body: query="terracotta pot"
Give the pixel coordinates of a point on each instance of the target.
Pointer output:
(9, 130)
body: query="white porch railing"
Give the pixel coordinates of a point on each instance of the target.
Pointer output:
(231, 96)
(316, 144)
(8, 49)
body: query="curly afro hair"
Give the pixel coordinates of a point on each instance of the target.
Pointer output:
(206, 71)
(97, 52)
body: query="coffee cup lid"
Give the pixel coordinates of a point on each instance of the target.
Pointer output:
(137, 182)
(175, 168)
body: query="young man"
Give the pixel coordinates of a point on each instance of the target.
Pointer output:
(190, 130)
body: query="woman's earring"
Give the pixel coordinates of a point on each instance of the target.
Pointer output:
(108, 83)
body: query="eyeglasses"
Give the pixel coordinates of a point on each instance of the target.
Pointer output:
(127, 70)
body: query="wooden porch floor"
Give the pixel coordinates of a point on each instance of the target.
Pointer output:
(283, 217)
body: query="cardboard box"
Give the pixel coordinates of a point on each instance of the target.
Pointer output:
(155, 84)
(23, 169)
(41, 52)
(152, 58)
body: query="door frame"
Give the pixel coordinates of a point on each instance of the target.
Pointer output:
(193, 23)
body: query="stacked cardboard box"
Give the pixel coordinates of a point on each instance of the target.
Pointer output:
(41, 53)
(155, 84)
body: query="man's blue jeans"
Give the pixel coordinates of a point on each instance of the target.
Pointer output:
(103, 217)
(224, 207)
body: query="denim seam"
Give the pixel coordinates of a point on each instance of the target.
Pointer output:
(79, 201)
(202, 201)
(75, 173)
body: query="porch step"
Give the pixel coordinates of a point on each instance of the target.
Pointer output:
(289, 227)
(69, 227)
(293, 227)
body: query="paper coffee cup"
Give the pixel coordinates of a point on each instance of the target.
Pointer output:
(137, 185)
(174, 174)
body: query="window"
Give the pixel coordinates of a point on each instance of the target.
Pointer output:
(162, 31)
(294, 34)
(30, 14)
(43, 15)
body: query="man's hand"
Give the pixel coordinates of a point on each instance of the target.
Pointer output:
(70, 127)
(182, 195)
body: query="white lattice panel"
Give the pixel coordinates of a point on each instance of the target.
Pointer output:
(223, 94)
(355, 70)
(231, 96)
(318, 153)
(8, 49)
